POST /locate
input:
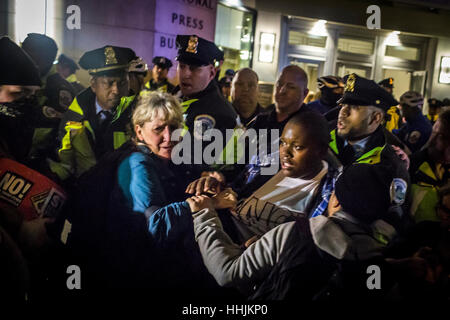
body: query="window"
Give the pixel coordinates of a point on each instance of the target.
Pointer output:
(234, 35)
(355, 46)
(402, 52)
(34, 16)
(298, 38)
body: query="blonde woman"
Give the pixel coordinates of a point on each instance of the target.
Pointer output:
(146, 231)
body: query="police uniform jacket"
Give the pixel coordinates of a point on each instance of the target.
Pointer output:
(427, 177)
(210, 110)
(84, 139)
(164, 86)
(415, 132)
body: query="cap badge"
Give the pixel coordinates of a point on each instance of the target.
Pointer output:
(350, 85)
(110, 56)
(377, 101)
(162, 60)
(192, 44)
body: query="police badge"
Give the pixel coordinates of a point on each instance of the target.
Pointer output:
(398, 191)
(110, 56)
(350, 85)
(192, 44)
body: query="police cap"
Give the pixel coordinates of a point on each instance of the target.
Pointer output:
(364, 92)
(162, 62)
(230, 73)
(107, 61)
(387, 83)
(194, 50)
(435, 103)
(66, 61)
(17, 66)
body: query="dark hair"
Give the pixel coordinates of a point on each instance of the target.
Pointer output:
(315, 125)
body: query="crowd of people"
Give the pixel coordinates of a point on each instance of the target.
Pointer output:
(91, 177)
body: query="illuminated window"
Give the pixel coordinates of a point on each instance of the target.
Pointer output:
(355, 46)
(408, 53)
(35, 16)
(297, 38)
(235, 35)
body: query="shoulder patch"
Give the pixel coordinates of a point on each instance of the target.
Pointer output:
(65, 98)
(202, 123)
(414, 137)
(398, 191)
(50, 113)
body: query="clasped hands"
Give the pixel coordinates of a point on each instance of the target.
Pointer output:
(209, 192)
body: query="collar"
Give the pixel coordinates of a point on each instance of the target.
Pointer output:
(273, 114)
(98, 108)
(360, 144)
(212, 87)
(246, 121)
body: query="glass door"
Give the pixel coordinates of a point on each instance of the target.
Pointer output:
(313, 69)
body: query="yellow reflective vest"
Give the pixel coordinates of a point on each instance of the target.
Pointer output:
(78, 151)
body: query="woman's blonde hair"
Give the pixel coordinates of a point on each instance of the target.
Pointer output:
(157, 105)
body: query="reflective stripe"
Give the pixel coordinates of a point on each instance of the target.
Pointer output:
(70, 125)
(72, 78)
(426, 169)
(371, 157)
(75, 107)
(119, 138)
(123, 105)
(73, 125)
(333, 144)
(425, 199)
(185, 105)
(233, 150)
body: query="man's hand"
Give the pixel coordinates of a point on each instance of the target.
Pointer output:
(211, 182)
(197, 203)
(227, 199)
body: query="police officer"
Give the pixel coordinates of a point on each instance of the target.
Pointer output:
(393, 120)
(204, 106)
(97, 119)
(137, 72)
(434, 107)
(161, 67)
(359, 136)
(417, 129)
(331, 88)
(430, 171)
(66, 67)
